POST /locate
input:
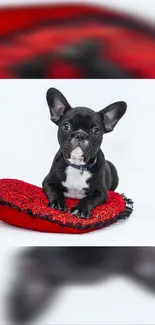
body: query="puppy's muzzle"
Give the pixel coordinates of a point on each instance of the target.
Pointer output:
(80, 136)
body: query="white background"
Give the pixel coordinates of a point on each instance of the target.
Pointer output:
(29, 143)
(143, 8)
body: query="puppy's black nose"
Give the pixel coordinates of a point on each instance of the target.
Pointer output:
(81, 136)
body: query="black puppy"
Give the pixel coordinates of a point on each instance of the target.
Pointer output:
(42, 272)
(79, 169)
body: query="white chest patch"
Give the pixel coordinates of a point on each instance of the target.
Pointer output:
(76, 182)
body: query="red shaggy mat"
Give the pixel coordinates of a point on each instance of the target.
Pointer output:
(74, 41)
(24, 205)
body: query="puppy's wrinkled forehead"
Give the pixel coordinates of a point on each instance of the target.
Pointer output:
(83, 117)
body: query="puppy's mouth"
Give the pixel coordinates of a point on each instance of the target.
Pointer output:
(77, 156)
(77, 152)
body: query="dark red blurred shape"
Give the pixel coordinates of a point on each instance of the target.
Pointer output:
(74, 41)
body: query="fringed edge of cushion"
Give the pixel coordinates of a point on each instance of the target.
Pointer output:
(122, 215)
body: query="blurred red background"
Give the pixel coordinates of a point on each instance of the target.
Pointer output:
(74, 41)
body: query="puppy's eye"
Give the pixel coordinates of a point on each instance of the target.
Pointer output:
(66, 127)
(96, 131)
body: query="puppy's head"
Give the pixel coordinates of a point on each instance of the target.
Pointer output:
(80, 129)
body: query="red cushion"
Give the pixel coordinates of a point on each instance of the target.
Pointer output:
(25, 205)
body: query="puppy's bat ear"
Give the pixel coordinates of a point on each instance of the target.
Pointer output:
(57, 103)
(112, 114)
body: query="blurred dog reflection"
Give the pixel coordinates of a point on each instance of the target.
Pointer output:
(42, 271)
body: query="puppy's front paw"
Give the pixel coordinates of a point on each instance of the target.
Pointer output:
(80, 212)
(58, 205)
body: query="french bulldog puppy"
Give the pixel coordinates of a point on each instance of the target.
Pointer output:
(41, 272)
(79, 169)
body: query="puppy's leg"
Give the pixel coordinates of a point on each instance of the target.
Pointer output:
(84, 207)
(54, 194)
